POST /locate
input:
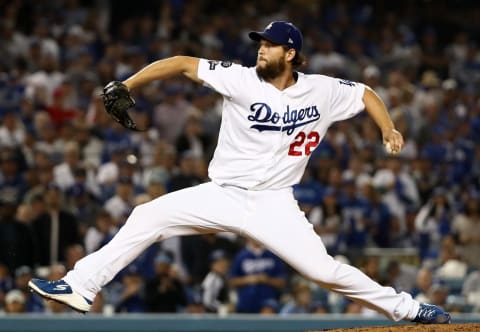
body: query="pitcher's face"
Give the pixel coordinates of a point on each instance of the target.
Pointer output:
(271, 60)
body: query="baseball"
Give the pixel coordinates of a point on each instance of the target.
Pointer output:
(388, 148)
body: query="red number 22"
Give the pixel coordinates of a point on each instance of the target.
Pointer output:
(304, 144)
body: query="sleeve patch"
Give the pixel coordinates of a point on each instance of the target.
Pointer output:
(346, 82)
(214, 63)
(226, 64)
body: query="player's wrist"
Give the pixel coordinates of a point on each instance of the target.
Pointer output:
(387, 130)
(128, 85)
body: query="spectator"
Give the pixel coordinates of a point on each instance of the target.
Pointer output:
(41, 84)
(47, 137)
(90, 145)
(145, 142)
(269, 307)
(380, 224)
(432, 55)
(186, 175)
(400, 276)
(206, 103)
(438, 294)
(82, 204)
(471, 289)
(28, 212)
(433, 222)
(428, 89)
(325, 60)
(357, 173)
(466, 70)
(329, 221)
(303, 301)
(17, 244)
(425, 177)
(170, 115)
(467, 226)
(405, 187)
(108, 172)
(372, 77)
(214, 289)
(6, 283)
(12, 130)
(122, 202)
(165, 292)
(256, 275)
(389, 189)
(132, 297)
(12, 183)
(353, 207)
(195, 252)
(450, 264)
(55, 229)
(63, 173)
(33, 302)
(58, 110)
(130, 168)
(192, 138)
(162, 165)
(15, 302)
(371, 267)
(100, 232)
(423, 284)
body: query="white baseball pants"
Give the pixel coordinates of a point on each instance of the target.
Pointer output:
(271, 217)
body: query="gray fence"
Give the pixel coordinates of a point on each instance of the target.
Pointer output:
(189, 323)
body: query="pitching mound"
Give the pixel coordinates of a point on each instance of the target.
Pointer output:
(466, 327)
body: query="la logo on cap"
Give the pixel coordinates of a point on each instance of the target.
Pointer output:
(269, 26)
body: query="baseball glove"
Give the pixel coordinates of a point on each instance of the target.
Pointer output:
(117, 101)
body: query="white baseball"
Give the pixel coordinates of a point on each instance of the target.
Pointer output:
(388, 148)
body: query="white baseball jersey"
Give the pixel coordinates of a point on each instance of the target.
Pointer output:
(267, 135)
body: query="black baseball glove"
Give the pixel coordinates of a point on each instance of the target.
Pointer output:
(117, 101)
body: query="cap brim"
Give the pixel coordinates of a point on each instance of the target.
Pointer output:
(257, 36)
(254, 35)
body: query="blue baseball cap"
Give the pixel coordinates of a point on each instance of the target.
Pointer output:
(281, 33)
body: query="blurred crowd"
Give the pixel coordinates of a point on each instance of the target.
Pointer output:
(70, 176)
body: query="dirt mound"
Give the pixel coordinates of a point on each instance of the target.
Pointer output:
(462, 327)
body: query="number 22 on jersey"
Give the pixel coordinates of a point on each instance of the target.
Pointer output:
(304, 144)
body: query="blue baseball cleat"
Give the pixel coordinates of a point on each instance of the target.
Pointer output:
(431, 314)
(61, 292)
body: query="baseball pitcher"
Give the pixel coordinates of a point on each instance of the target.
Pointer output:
(273, 118)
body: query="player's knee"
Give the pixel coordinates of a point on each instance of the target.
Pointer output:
(144, 213)
(145, 219)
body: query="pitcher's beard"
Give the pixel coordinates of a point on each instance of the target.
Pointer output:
(271, 70)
